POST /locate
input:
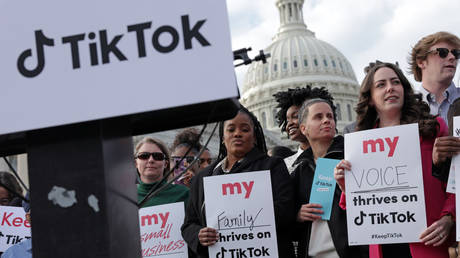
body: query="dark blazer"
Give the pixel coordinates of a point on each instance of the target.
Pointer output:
(303, 179)
(283, 198)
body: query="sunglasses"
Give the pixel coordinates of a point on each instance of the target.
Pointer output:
(444, 52)
(155, 155)
(189, 159)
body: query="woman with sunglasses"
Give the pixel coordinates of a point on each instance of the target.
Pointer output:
(152, 163)
(242, 149)
(387, 99)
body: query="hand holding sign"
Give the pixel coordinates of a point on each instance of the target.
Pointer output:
(208, 236)
(436, 234)
(339, 173)
(309, 211)
(445, 147)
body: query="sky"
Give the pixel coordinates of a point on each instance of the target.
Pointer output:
(363, 30)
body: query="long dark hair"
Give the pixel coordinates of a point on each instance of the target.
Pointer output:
(414, 109)
(258, 134)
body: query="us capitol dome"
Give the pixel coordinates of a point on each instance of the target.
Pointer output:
(298, 58)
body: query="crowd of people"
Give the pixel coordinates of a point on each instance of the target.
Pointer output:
(308, 116)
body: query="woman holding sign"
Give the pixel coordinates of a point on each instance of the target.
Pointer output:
(387, 99)
(242, 149)
(320, 237)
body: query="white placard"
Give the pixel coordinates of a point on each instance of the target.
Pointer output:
(14, 227)
(160, 231)
(240, 207)
(455, 160)
(451, 179)
(455, 165)
(109, 58)
(384, 189)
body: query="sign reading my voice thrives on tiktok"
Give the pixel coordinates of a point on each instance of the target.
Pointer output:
(384, 189)
(65, 62)
(240, 207)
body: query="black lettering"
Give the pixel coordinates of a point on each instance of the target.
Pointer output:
(139, 29)
(189, 34)
(156, 39)
(107, 48)
(73, 40)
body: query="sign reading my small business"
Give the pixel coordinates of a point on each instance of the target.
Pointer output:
(240, 207)
(384, 189)
(160, 231)
(14, 228)
(64, 62)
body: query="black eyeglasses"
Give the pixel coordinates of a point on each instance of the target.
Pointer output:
(155, 155)
(444, 52)
(189, 159)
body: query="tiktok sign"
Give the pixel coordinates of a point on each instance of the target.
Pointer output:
(384, 189)
(69, 62)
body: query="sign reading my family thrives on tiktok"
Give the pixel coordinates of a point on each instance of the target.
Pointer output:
(240, 207)
(160, 231)
(75, 61)
(384, 189)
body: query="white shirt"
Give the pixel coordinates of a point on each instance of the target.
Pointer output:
(289, 161)
(321, 244)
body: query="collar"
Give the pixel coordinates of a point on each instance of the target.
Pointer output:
(337, 145)
(448, 94)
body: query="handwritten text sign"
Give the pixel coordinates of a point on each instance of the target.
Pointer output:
(322, 191)
(160, 231)
(13, 226)
(62, 60)
(240, 207)
(384, 189)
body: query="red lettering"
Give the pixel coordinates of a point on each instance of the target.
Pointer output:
(17, 222)
(373, 145)
(5, 219)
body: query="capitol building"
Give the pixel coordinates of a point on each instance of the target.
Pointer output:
(297, 59)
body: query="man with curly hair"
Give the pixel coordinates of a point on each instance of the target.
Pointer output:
(289, 103)
(433, 62)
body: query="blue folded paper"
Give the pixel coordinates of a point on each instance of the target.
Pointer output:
(322, 190)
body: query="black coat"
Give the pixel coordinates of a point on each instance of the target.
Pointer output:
(283, 198)
(303, 179)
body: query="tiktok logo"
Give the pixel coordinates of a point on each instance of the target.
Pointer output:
(101, 44)
(40, 42)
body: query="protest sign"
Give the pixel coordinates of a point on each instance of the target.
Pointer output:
(240, 207)
(323, 188)
(455, 165)
(455, 160)
(160, 231)
(76, 61)
(14, 227)
(384, 189)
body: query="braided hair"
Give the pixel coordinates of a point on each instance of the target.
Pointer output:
(296, 97)
(258, 134)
